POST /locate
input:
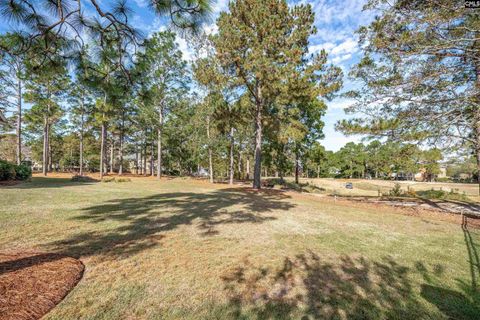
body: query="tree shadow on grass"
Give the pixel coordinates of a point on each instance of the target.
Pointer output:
(143, 221)
(48, 182)
(305, 287)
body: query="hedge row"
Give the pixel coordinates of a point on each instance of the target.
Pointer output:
(10, 171)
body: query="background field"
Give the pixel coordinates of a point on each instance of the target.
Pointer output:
(185, 249)
(363, 187)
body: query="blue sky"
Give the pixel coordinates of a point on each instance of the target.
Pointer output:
(336, 22)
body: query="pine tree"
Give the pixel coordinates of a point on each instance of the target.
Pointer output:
(420, 77)
(45, 89)
(263, 45)
(12, 80)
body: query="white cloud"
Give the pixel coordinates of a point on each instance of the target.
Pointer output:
(185, 48)
(340, 104)
(348, 46)
(220, 5)
(318, 47)
(211, 29)
(341, 58)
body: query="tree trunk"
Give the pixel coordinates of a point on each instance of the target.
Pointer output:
(318, 171)
(210, 155)
(120, 153)
(112, 155)
(159, 144)
(140, 165)
(297, 167)
(257, 171)
(19, 122)
(231, 168)
(45, 147)
(145, 157)
(144, 166)
(81, 149)
(50, 157)
(477, 146)
(247, 175)
(102, 150)
(240, 164)
(152, 159)
(136, 160)
(476, 119)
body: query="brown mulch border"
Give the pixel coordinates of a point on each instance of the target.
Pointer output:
(31, 284)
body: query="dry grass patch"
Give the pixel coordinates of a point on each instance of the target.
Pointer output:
(185, 249)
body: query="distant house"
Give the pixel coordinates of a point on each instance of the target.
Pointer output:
(422, 175)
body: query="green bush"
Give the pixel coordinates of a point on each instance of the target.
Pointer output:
(23, 172)
(79, 178)
(441, 194)
(7, 171)
(10, 171)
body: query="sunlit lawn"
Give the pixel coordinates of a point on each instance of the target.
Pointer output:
(364, 187)
(184, 249)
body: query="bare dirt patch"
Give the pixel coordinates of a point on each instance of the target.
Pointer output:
(31, 284)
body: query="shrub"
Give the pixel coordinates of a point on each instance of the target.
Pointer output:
(7, 171)
(78, 178)
(411, 192)
(109, 179)
(10, 171)
(278, 183)
(113, 179)
(396, 191)
(23, 172)
(441, 194)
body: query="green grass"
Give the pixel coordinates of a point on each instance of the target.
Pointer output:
(183, 249)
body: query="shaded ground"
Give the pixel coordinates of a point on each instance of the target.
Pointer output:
(351, 288)
(32, 284)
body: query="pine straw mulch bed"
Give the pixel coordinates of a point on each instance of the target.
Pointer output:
(31, 284)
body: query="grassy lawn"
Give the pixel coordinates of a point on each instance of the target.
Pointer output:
(185, 249)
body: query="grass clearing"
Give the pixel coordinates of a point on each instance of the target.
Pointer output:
(185, 249)
(364, 187)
